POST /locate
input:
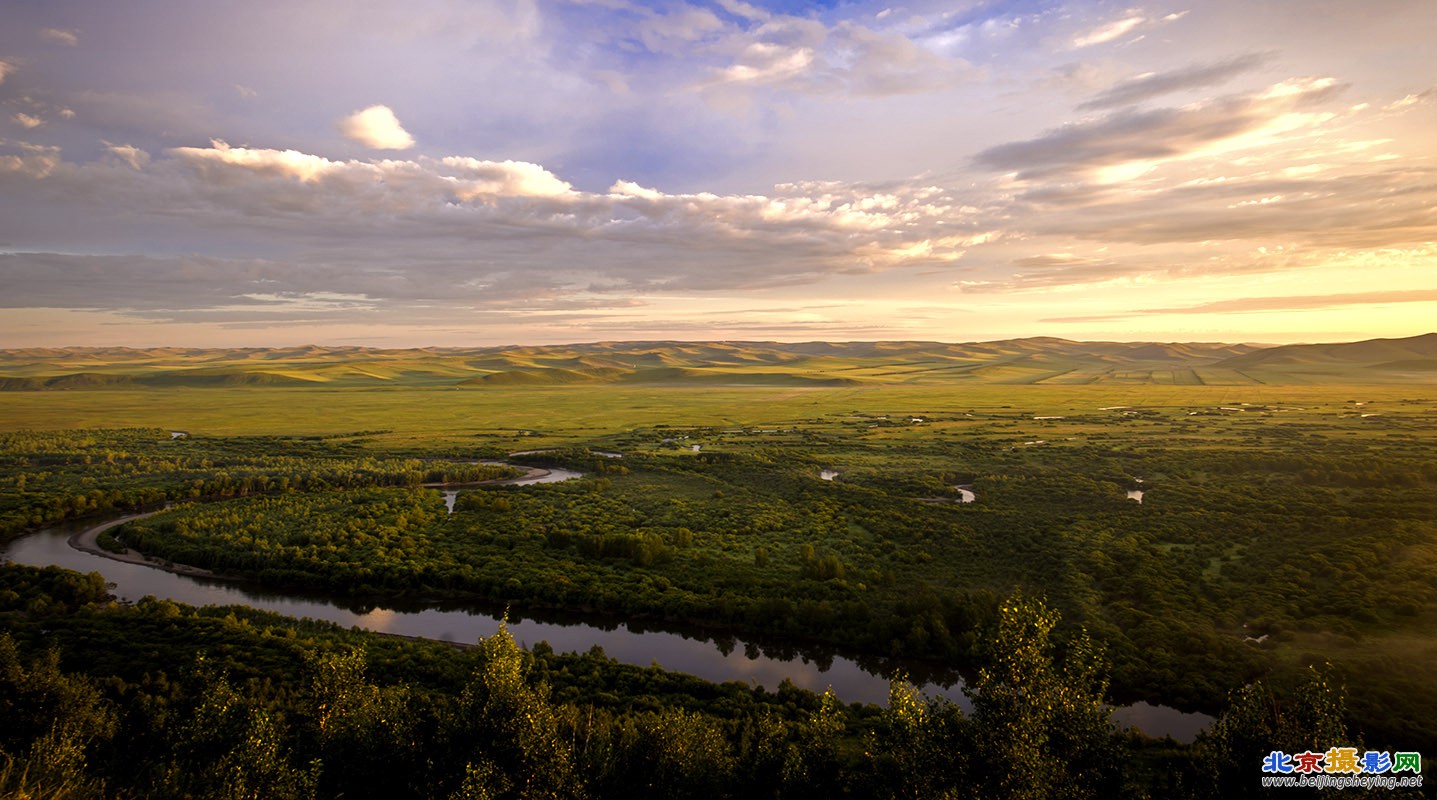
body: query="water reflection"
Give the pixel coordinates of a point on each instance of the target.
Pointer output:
(715, 657)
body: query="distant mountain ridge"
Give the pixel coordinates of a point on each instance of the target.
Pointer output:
(1369, 353)
(1036, 360)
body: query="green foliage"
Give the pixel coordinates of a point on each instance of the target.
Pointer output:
(1259, 719)
(53, 723)
(924, 747)
(1043, 725)
(281, 708)
(507, 732)
(227, 746)
(1294, 531)
(47, 477)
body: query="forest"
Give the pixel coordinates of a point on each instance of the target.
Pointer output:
(1270, 563)
(161, 700)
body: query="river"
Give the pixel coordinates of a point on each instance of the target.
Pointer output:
(696, 652)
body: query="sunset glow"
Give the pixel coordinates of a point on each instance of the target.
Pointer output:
(460, 173)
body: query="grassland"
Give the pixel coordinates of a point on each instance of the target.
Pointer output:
(547, 415)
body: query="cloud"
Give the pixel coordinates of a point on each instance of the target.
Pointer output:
(376, 127)
(1144, 87)
(1154, 135)
(67, 37)
(245, 91)
(129, 154)
(1170, 169)
(26, 121)
(740, 49)
(461, 230)
(212, 160)
(741, 9)
(32, 161)
(673, 32)
(1041, 273)
(1372, 208)
(168, 114)
(7, 68)
(847, 59)
(1410, 100)
(476, 178)
(1243, 305)
(1108, 32)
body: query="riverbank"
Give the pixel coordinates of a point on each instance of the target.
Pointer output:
(531, 475)
(715, 655)
(88, 541)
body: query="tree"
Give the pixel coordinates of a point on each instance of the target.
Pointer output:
(507, 733)
(229, 747)
(366, 734)
(1043, 728)
(925, 749)
(49, 723)
(1259, 721)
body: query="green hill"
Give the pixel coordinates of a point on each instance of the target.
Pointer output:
(1037, 361)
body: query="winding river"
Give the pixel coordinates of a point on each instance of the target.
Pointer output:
(696, 652)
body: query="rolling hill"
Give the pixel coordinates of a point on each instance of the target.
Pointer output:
(1033, 361)
(1376, 360)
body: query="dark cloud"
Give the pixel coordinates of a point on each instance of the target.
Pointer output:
(1384, 208)
(455, 232)
(1195, 76)
(1164, 133)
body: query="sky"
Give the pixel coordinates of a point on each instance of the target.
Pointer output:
(471, 173)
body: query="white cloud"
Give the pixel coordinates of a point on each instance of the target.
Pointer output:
(129, 154)
(810, 57)
(376, 127)
(67, 37)
(509, 178)
(30, 160)
(1132, 141)
(26, 121)
(674, 32)
(628, 189)
(270, 163)
(442, 228)
(1410, 100)
(1108, 32)
(762, 62)
(245, 91)
(741, 9)
(6, 68)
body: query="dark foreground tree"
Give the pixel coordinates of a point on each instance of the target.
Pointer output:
(1042, 726)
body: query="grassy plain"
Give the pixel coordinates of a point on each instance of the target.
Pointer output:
(551, 416)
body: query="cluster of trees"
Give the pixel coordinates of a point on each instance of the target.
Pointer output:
(1178, 587)
(50, 476)
(1242, 545)
(274, 708)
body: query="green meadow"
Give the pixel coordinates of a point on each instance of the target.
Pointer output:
(585, 414)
